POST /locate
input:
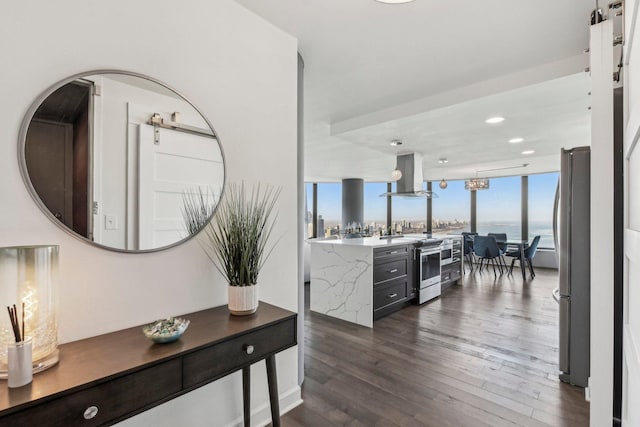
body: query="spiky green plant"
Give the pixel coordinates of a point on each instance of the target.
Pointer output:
(198, 205)
(236, 242)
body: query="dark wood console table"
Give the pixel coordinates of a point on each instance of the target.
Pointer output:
(108, 378)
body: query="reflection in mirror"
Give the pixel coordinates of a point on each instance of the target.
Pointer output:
(110, 156)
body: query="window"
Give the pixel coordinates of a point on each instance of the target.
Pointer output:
(499, 207)
(375, 207)
(542, 191)
(329, 208)
(451, 209)
(408, 214)
(308, 209)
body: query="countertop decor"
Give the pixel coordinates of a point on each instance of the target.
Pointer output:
(237, 241)
(28, 275)
(165, 330)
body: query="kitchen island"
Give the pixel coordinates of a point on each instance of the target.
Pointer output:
(360, 280)
(343, 274)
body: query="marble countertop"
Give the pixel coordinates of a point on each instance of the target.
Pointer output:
(375, 242)
(433, 236)
(372, 242)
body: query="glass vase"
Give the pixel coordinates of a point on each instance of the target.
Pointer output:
(28, 276)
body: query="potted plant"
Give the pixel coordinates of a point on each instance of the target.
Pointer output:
(237, 241)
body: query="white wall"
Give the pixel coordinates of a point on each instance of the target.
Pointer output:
(545, 258)
(241, 72)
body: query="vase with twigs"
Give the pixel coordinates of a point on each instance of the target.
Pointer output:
(237, 241)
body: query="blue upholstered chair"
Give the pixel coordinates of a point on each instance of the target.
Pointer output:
(529, 253)
(467, 244)
(501, 239)
(486, 248)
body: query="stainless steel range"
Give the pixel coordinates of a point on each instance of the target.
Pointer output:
(428, 257)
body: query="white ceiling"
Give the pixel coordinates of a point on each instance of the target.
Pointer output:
(430, 72)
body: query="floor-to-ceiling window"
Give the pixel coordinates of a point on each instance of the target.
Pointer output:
(308, 209)
(408, 214)
(542, 190)
(450, 210)
(329, 208)
(375, 208)
(499, 207)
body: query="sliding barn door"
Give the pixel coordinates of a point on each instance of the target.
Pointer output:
(178, 163)
(631, 322)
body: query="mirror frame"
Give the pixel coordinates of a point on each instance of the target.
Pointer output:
(22, 139)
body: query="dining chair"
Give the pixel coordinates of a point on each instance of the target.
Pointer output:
(486, 248)
(467, 241)
(529, 253)
(501, 239)
(467, 251)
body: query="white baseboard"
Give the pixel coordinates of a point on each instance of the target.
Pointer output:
(261, 416)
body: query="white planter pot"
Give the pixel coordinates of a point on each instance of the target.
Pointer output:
(243, 300)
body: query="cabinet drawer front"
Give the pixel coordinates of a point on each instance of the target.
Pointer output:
(223, 358)
(383, 271)
(445, 276)
(390, 252)
(112, 399)
(390, 293)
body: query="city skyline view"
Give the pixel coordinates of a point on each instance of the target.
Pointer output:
(497, 208)
(501, 200)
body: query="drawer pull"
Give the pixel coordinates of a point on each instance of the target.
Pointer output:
(249, 349)
(90, 412)
(392, 295)
(395, 270)
(393, 252)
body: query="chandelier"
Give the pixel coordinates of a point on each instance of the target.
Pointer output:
(476, 184)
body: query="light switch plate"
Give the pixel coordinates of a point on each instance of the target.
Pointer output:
(110, 222)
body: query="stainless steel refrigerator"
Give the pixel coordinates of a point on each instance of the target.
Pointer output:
(573, 242)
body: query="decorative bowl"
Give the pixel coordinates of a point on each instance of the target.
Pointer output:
(165, 330)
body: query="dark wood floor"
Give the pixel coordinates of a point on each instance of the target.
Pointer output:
(484, 354)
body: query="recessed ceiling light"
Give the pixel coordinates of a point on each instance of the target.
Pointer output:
(516, 140)
(394, 1)
(443, 161)
(396, 142)
(528, 152)
(494, 120)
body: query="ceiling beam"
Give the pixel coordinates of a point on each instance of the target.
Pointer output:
(530, 76)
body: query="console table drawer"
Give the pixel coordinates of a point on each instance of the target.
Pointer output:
(111, 400)
(223, 358)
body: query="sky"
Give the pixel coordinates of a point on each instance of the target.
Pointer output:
(501, 202)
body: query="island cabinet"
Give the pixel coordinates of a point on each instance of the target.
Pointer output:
(360, 280)
(450, 274)
(393, 278)
(105, 379)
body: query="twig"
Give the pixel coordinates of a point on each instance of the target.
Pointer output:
(13, 316)
(23, 335)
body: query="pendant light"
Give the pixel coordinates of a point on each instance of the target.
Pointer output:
(396, 174)
(443, 184)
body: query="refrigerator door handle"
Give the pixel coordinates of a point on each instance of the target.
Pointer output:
(556, 295)
(564, 226)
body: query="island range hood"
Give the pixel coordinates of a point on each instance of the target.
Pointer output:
(411, 181)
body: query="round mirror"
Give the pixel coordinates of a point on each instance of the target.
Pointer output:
(121, 160)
